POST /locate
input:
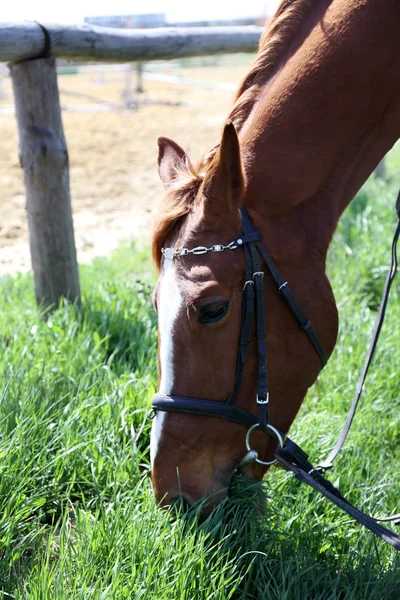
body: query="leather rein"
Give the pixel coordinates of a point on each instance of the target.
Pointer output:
(289, 454)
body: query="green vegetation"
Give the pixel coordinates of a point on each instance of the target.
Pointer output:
(77, 515)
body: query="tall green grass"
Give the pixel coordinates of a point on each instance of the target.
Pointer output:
(77, 515)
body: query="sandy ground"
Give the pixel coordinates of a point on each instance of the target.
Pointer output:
(114, 182)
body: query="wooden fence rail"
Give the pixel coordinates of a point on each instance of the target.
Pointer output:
(28, 40)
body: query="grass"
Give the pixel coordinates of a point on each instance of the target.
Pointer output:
(77, 515)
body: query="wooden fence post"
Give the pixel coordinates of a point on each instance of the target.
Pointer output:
(44, 160)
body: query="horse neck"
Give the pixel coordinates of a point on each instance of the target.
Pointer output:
(326, 118)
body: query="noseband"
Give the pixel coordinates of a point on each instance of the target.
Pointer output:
(252, 307)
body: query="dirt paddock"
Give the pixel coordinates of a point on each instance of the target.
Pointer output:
(114, 182)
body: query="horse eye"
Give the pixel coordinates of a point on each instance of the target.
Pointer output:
(212, 313)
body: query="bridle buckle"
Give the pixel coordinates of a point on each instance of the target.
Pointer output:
(261, 401)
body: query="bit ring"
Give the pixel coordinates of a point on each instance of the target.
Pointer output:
(276, 433)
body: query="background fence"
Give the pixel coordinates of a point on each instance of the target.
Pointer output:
(31, 49)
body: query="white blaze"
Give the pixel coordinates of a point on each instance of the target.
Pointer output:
(169, 302)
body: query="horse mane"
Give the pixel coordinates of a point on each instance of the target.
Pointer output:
(274, 43)
(178, 200)
(275, 40)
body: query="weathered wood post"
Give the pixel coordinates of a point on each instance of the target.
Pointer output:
(44, 160)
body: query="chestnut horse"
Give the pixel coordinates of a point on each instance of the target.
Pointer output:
(318, 110)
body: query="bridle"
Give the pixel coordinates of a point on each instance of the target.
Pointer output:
(287, 452)
(252, 306)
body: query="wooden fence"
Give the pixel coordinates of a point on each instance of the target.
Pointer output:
(31, 49)
(23, 41)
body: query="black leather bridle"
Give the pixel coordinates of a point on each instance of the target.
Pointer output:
(252, 306)
(287, 452)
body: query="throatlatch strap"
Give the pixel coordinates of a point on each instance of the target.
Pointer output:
(289, 297)
(286, 292)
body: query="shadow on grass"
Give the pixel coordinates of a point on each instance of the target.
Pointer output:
(125, 323)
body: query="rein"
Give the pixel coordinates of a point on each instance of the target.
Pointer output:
(289, 454)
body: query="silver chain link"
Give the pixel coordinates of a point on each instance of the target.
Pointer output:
(173, 253)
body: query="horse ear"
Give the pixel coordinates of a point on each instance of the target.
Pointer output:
(171, 159)
(224, 181)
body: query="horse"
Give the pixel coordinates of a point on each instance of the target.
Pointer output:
(311, 120)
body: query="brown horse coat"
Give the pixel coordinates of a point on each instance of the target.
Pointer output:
(314, 116)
